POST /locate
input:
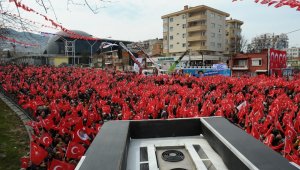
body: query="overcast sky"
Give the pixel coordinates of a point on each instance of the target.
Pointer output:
(138, 20)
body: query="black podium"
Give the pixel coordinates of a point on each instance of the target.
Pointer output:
(202, 143)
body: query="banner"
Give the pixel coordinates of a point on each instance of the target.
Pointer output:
(278, 59)
(206, 72)
(219, 66)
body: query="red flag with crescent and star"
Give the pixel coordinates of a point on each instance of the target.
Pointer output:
(37, 153)
(75, 150)
(24, 162)
(61, 165)
(46, 139)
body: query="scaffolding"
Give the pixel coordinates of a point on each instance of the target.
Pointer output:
(70, 49)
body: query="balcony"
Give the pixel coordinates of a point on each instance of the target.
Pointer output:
(196, 38)
(240, 67)
(197, 48)
(118, 61)
(196, 18)
(197, 28)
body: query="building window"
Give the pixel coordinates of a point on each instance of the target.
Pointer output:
(203, 22)
(202, 43)
(256, 62)
(183, 16)
(171, 46)
(212, 44)
(219, 45)
(183, 35)
(171, 28)
(213, 25)
(171, 19)
(183, 25)
(212, 15)
(165, 28)
(171, 37)
(219, 36)
(213, 35)
(220, 17)
(183, 45)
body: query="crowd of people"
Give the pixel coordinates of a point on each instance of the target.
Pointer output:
(70, 105)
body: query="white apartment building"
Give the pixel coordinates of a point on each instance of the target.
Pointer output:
(293, 52)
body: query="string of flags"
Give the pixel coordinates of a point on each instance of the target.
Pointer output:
(27, 20)
(18, 42)
(277, 4)
(53, 23)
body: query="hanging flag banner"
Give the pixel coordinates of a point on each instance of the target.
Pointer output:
(18, 42)
(55, 24)
(277, 4)
(278, 59)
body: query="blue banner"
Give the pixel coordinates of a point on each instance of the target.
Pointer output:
(206, 72)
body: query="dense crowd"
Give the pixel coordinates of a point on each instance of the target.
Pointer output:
(71, 104)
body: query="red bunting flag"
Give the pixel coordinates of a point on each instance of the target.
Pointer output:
(75, 150)
(61, 165)
(37, 153)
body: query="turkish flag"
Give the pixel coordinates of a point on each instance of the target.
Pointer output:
(37, 153)
(24, 162)
(47, 123)
(75, 150)
(46, 139)
(61, 165)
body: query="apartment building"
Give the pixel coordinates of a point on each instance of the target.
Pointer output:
(233, 36)
(293, 56)
(293, 52)
(153, 47)
(200, 29)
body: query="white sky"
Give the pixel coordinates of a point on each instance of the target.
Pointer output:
(138, 20)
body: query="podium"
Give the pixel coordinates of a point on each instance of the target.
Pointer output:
(201, 143)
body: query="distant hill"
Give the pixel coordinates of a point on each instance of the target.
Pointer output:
(23, 37)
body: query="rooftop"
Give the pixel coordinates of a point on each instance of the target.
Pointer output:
(191, 9)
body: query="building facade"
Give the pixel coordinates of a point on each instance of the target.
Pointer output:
(250, 64)
(153, 47)
(233, 36)
(293, 57)
(200, 29)
(293, 52)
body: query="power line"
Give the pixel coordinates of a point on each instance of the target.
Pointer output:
(293, 31)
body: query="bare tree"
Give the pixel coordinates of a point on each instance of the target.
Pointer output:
(268, 40)
(242, 43)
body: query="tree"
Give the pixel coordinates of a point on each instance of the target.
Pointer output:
(12, 20)
(242, 44)
(266, 41)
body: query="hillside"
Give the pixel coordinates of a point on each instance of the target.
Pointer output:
(23, 37)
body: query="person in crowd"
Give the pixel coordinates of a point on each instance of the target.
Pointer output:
(70, 105)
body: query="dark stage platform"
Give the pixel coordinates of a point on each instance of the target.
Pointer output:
(202, 143)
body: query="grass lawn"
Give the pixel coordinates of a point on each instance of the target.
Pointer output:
(14, 140)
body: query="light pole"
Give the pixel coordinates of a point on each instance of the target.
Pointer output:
(202, 58)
